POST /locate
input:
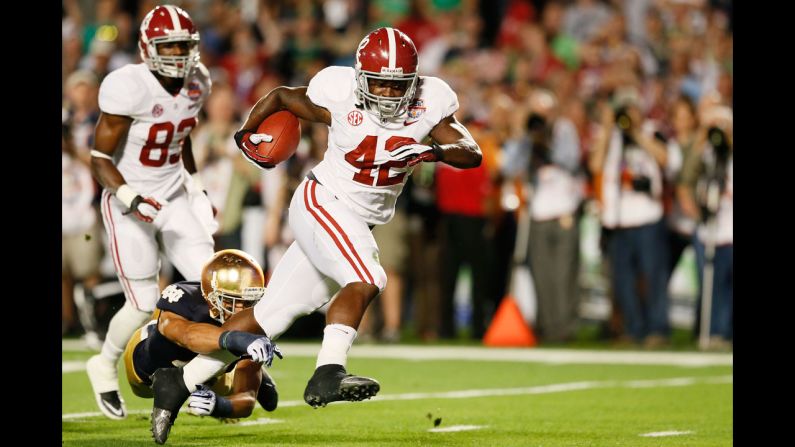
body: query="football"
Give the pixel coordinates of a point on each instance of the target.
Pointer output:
(285, 129)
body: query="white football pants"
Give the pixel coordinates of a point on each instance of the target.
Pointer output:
(333, 247)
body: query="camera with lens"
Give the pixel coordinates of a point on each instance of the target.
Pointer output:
(536, 122)
(712, 182)
(641, 183)
(624, 123)
(539, 133)
(717, 138)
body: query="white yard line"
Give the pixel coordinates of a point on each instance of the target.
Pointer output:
(456, 428)
(658, 434)
(542, 355)
(71, 366)
(464, 394)
(260, 421)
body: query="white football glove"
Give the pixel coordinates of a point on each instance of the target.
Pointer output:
(409, 151)
(144, 209)
(202, 401)
(258, 138)
(262, 350)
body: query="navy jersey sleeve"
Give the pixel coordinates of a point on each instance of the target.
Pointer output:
(185, 299)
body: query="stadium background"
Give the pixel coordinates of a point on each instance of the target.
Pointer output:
(495, 55)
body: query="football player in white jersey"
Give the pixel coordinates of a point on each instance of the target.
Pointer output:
(152, 200)
(378, 113)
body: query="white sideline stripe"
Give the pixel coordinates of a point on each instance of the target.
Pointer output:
(464, 394)
(70, 366)
(543, 355)
(657, 434)
(260, 421)
(456, 428)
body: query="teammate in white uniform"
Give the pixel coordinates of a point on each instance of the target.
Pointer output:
(153, 199)
(378, 116)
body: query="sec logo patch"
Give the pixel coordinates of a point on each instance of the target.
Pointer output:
(157, 110)
(355, 118)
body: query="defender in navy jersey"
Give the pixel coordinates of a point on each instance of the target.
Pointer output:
(187, 322)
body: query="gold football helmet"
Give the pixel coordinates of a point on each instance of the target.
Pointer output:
(231, 281)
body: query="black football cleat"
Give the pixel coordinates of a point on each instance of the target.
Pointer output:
(331, 383)
(267, 396)
(170, 393)
(162, 421)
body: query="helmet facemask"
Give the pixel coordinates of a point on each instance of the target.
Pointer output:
(224, 304)
(172, 66)
(385, 107)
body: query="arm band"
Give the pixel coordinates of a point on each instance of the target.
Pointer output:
(197, 181)
(223, 407)
(126, 195)
(98, 154)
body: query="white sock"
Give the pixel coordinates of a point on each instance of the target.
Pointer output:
(204, 367)
(337, 341)
(122, 326)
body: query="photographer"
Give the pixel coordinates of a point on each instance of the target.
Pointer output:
(706, 191)
(631, 159)
(546, 151)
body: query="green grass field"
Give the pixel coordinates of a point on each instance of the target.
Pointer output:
(510, 403)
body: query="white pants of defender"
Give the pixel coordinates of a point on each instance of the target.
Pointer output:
(182, 230)
(333, 247)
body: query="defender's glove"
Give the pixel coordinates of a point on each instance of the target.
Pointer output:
(144, 209)
(259, 347)
(202, 401)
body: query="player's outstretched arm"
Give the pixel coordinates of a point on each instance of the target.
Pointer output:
(454, 144)
(203, 338)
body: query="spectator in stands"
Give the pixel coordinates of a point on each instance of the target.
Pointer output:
(547, 152)
(81, 240)
(706, 187)
(630, 160)
(229, 177)
(680, 146)
(81, 91)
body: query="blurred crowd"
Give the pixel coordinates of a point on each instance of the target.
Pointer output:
(619, 109)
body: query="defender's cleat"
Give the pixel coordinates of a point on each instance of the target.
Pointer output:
(267, 396)
(105, 382)
(161, 425)
(170, 393)
(330, 383)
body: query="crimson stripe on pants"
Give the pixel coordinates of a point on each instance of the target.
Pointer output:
(328, 230)
(344, 236)
(115, 251)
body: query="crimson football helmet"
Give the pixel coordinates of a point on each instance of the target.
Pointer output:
(231, 281)
(386, 54)
(168, 23)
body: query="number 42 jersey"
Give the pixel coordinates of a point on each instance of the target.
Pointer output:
(151, 159)
(356, 166)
